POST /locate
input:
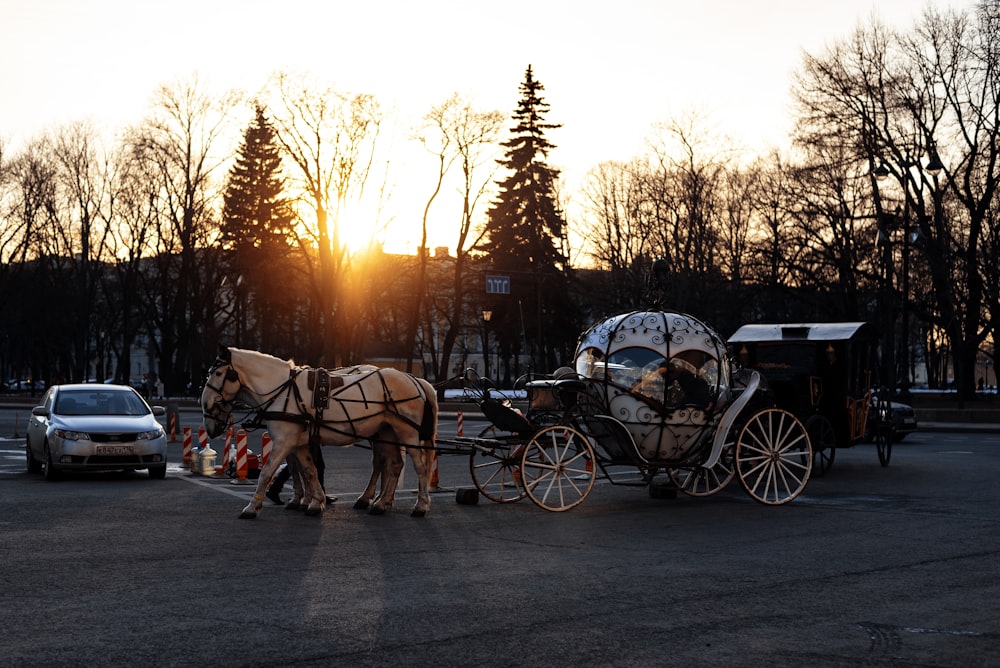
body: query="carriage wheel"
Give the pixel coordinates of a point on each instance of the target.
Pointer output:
(496, 470)
(883, 444)
(824, 443)
(703, 481)
(773, 457)
(557, 468)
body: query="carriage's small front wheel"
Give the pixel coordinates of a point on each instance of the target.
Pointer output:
(773, 457)
(496, 468)
(703, 481)
(558, 468)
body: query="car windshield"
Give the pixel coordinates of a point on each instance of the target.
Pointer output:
(101, 402)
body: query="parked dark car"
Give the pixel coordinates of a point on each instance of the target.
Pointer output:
(87, 427)
(904, 421)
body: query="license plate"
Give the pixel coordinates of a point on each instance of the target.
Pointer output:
(114, 450)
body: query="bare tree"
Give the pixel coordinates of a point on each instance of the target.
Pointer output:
(29, 212)
(180, 140)
(130, 213)
(684, 196)
(455, 133)
(330, 137)
(84, 233)
(618, 229)
(21, 203)
(922, 108)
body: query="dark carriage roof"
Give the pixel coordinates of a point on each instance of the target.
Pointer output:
(817, 331)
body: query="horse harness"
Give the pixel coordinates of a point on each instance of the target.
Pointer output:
(327, 387)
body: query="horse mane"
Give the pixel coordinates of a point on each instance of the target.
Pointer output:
(262, 357)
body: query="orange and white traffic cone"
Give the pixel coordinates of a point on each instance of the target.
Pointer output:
(435, 482)
(186, 456)
(265, 449)
(242, 463)
(227, 455)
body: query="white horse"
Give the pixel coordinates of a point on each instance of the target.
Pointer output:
(393, 410)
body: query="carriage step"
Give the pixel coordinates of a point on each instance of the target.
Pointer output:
(662, 490)
(467, 496)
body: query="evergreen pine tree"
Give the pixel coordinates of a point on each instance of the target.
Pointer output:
(257, 230)
(525, 237)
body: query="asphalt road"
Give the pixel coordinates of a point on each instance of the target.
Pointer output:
(870, 566)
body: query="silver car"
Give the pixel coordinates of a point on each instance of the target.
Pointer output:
(95, 428)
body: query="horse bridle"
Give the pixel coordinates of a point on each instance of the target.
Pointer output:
(223, 406)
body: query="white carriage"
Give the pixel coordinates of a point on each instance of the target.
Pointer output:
(653, 391)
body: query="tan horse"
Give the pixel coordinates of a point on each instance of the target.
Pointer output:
(387, 462)
(393, 410)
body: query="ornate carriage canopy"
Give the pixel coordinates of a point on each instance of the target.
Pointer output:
(662, 374)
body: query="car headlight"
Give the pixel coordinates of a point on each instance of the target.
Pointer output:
(68, 435)
(149, 435)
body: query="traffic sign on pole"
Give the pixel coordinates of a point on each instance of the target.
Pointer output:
(497, 285)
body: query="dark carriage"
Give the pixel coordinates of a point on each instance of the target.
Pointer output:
(824, 373)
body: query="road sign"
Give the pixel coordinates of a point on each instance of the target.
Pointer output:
(497, 285)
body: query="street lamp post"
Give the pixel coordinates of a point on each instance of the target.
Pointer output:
(487, 316)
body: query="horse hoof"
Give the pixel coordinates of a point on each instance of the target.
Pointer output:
(293, 506)
(375, 510)
(311, 512)
(361, 504)
(247, 516)
(418, 513)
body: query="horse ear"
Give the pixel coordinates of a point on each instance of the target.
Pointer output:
(225, 354)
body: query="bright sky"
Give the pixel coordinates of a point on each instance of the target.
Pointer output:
(611, 70)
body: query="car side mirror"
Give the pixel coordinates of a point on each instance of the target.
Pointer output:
(159, 410)
(40, 411)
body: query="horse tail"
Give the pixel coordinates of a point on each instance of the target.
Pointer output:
(428, 423)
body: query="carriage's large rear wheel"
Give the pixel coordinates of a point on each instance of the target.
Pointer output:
(773, 457)
(703, 481)
(557, 468)
(496, 468)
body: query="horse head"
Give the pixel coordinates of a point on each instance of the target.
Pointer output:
(221, 387)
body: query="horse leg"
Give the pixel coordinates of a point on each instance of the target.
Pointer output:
(392, 466)
(365, 500)
(313, 490)
(298, 485)
(421, 458)
(266, 475)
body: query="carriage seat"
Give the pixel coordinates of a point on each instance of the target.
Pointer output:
(506, 418)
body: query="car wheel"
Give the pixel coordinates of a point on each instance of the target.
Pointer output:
(158, 472)
(34, 466)
(51, 472)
